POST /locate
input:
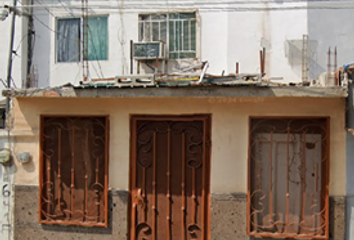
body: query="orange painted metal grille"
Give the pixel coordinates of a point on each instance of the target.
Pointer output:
(74, 178)
(169, 178)
(288, 177)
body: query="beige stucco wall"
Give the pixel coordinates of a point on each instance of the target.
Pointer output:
(229, 132)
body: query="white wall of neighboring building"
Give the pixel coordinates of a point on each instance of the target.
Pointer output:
(330, 28)
(230, 32)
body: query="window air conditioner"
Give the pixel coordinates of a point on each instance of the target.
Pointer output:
(149, 50)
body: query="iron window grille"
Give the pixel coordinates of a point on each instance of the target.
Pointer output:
(177, 30)
(288, 178)
(74, 171)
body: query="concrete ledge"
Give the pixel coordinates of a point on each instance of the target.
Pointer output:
(190, 91)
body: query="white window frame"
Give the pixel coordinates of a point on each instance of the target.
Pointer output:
(56, 38)
(151, 21)
(167, 20)
(81, 37)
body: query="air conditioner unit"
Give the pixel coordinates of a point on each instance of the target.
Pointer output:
(149, 50)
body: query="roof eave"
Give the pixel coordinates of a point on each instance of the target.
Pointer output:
(171, 92)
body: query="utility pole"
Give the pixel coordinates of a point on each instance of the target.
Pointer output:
(9, 64)
(30, 33)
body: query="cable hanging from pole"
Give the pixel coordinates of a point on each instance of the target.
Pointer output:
(9, 64)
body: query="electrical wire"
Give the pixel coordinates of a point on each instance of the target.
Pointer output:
(3, 82)
(315, 4)
(77, 77)
(13, 83)
(19, 44)
(61, 66)
(77, 38)
(121, 35)
(98, 63)
(47, 9)
(94, 68)
(320, 4)
(14, 52)
(67, 9)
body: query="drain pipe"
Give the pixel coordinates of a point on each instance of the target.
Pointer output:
(9, 64)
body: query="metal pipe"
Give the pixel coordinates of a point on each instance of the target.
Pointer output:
(157, 64)
(84, 42)
(335, 66)
(202, 74)
(9, 63)
(335, 58)
(328, 62)
(131, 57)
(261, 62)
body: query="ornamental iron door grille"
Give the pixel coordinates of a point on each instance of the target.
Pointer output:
(73, 170)
(169, 183)
(288, 178)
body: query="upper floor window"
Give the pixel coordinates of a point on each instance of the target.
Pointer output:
(177, 30)
(288, 178)
(74, 170)
(69, 35)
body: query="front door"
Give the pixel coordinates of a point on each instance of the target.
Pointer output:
(169, 178)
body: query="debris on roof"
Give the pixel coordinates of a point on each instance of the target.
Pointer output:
(190, 76)
(190, 82)
(196, 74)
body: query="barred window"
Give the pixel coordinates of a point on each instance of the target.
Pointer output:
(73, 170)
(177, 30)
(288, 177)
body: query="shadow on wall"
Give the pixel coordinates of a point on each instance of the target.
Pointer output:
(294, 54)
(327, 27)
(330, 26)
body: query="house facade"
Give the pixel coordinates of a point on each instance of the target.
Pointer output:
(204, 162)
(222, 33)
(105, 42)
